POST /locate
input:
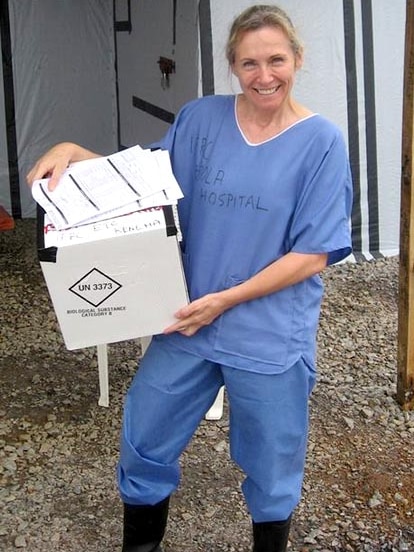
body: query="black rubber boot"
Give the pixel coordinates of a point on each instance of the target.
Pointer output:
(144, 527)
(271, 536)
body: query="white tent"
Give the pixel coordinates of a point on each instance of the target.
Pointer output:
(92, 72)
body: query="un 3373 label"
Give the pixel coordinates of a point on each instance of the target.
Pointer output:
(95, 287)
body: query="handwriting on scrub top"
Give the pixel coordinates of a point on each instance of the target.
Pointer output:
(211, 178)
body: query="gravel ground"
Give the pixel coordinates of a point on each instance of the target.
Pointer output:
(58, 448)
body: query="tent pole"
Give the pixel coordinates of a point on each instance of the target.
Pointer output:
(405, 382)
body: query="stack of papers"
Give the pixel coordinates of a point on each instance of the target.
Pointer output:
(107, 187)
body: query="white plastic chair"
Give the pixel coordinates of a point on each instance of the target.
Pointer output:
(214, 413)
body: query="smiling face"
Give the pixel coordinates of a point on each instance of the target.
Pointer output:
(265, 65)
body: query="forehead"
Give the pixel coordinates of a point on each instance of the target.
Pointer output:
(266, 40)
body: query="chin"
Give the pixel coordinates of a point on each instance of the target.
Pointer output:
(267, 102)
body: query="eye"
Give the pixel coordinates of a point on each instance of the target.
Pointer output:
(277, 60)
(248, 64)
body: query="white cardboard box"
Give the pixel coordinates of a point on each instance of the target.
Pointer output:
(114, 280)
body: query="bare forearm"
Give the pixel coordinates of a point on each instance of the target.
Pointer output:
(286, 271)
(79, 153)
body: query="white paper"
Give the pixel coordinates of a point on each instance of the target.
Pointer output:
(95, 189)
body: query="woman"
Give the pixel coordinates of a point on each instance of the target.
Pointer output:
(267, 199)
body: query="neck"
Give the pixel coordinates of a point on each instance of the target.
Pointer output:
(287, 114)
(260, 125)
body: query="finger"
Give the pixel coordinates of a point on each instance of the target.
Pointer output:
(38, 172)
(32, 175)
(185, 327)
(176, 327)
(54, 179)
(184, 312)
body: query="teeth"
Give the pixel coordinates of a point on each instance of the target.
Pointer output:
(266, 91)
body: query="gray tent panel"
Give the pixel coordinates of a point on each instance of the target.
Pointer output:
(64, 85)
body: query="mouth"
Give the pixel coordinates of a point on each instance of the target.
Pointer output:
(267, 91)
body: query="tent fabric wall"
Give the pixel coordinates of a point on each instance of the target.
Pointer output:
(61, 56)
(65, 88)
(6, 112)
(157, 30)
(353, 74)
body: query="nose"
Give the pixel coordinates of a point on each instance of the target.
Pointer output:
(265, 73)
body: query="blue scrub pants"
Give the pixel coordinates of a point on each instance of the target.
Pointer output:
(168, 398)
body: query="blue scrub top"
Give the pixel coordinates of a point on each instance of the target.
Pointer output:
(246, 205)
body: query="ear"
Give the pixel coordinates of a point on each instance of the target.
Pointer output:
(299, 60)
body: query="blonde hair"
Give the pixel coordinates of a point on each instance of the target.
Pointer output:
(256, 17)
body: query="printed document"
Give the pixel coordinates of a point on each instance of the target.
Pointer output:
(97, 189)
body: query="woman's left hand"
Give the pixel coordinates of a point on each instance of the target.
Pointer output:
(197, 314)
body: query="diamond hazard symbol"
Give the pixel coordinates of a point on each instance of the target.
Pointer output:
(95, 287)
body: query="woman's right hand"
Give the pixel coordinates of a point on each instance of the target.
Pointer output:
(56, 160)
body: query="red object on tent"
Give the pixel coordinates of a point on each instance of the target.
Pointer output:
(6, 221)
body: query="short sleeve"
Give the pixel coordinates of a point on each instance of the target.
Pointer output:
(321, 221)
